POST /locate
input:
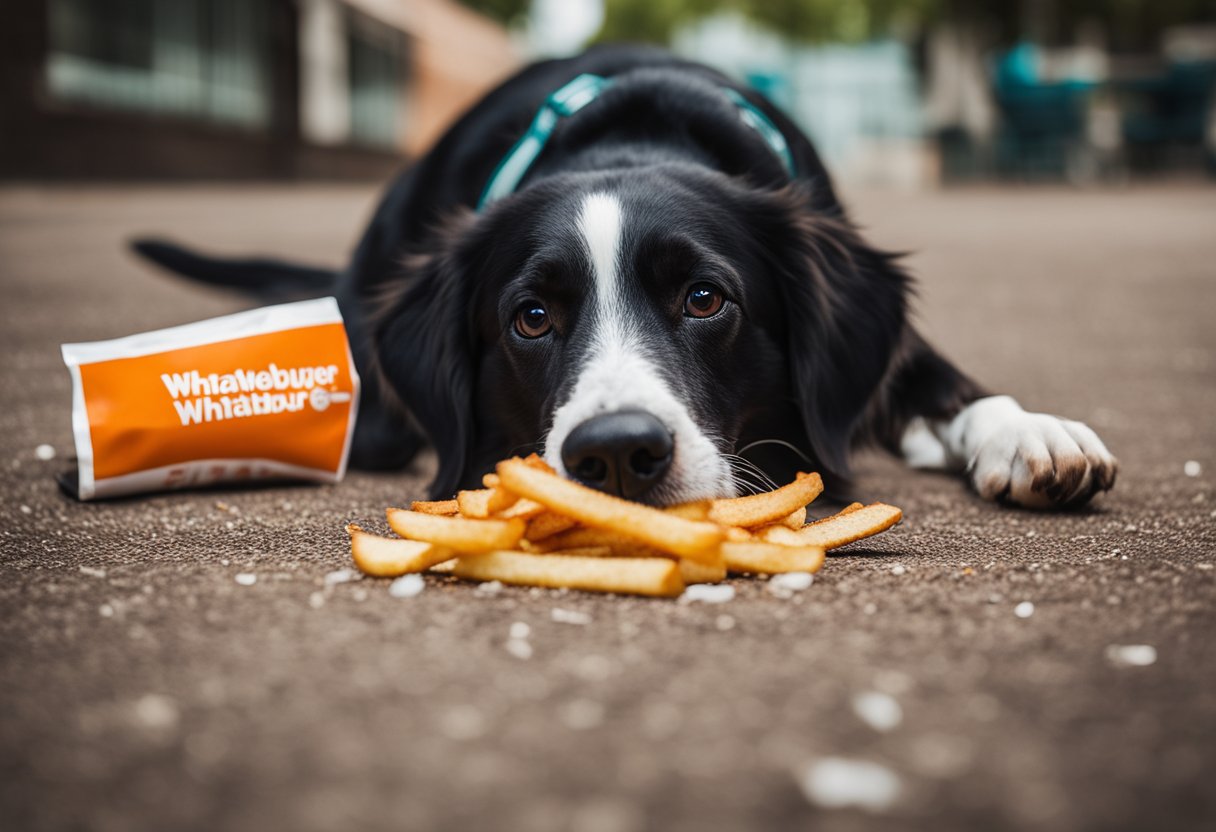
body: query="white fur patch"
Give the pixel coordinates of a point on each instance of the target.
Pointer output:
(618, 373)
(1033, 459)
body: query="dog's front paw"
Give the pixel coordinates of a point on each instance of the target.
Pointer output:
(1040, 461)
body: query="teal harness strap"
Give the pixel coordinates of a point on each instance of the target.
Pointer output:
(578, 94)
(755, 118)
(565, 102)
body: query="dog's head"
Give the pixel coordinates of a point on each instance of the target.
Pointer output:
(639, 329)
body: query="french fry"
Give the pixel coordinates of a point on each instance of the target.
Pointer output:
(523, 509)
(620, 545)
(692, 572)
(698, 510)
(440, 507)
(771, 558)
(483, 502)
(635, 576)
(460, 534)
(581, 552)
(759, 509)
(737, 535)
(835, 531)
(546, 524)
(611, 544)
(796, 520)
(691, 539)
(388, 557)
(535, 461)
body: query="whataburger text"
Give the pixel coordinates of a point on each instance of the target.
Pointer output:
(242, 393)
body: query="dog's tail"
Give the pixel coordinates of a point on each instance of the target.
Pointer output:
(256, 276)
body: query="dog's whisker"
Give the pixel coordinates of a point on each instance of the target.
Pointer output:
(802, 455)
(740, 463)
(745, 476)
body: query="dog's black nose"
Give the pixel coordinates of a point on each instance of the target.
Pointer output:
(623, 453)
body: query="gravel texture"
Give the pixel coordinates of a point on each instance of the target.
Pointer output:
(196, 660)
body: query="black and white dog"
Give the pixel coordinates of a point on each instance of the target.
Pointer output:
(640, 269)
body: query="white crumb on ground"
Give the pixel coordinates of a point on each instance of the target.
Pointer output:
(92, 572)
(489, 588)
(342, 576)
(520, 648)
(562, 616)
(1192, 468)
(519, 629)
(157, 712)
(786, 584)
(1024, 609)
(1131, 655)
(878, 710)
(839, 783)
(407, 586)
(708, 594)
(898, 569)
(45, 452)
(246, 578)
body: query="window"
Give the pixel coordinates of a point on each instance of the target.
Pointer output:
(376, 60)
(200, 58)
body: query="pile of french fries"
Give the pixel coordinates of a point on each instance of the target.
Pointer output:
(531, 527)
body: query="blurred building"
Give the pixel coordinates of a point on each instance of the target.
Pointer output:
(235, 88)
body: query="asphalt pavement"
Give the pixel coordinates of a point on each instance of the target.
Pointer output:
(974, 668)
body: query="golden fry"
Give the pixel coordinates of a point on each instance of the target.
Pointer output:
(687, 538)
(620, 545)
(698, 510)
(771, 558)
(523, 509)
(759, 509)
(850, 525)
(796, 520)
(440, 507)
(637, 576)
(461, 534)
(483, 502)
(581, 552)
(388, 557)
(736, 535)
(692, 572)
(546, 524)
(535, 461)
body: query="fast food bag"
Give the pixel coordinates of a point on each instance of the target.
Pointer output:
(271, 393)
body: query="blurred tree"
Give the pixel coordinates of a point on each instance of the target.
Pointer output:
(809, 20)
(504, 11)
(1131, 24)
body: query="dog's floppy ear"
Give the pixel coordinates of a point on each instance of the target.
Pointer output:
(424, 349)
(846, 306)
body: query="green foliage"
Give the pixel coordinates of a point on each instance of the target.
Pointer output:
(807, 20)
(1134, 22)
(504, 11)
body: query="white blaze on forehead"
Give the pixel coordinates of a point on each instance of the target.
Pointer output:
(600, 226)
(619, 373)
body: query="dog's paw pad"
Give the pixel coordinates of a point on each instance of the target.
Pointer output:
(1041, 461)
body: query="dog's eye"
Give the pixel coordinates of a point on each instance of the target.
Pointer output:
(704, 301)
(532, 321)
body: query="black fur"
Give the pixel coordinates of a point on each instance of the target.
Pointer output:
(815, 350)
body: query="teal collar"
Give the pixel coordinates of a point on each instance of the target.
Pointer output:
(578, 94)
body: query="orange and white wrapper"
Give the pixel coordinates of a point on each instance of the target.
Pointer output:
(271, 393)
